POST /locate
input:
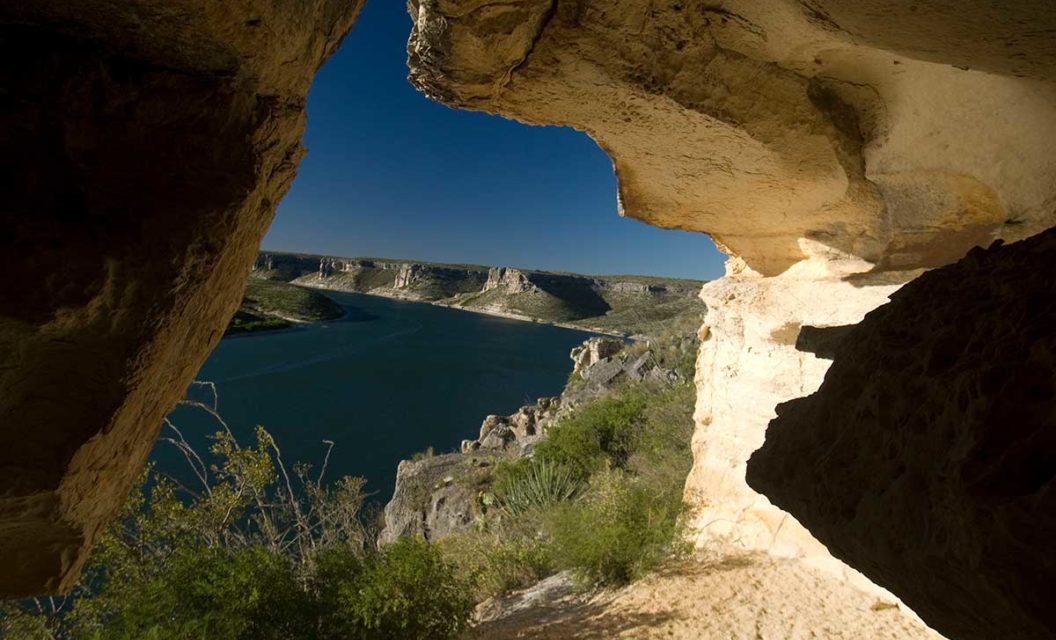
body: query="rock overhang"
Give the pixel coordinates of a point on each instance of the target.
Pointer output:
(770, 126)
(816, 140)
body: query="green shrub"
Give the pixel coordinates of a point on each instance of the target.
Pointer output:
(423, 455)
(259, 551)
(406, 592)
(635, 446)
(506, 554)
(214, 594)
(533, 484)
(601, 432)
(619, 530)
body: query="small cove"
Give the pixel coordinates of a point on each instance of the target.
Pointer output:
(389, 379)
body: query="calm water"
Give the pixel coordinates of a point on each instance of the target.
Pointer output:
(386, 381)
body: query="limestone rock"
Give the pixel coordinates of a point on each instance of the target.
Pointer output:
(434, 496)
(154, 140)
(927, 459)
(408, 274)
(593, 350)
(786, 129)
(512, 280)
(833, 148)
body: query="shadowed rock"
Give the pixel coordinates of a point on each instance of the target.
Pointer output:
(927, 459)
(150, 142)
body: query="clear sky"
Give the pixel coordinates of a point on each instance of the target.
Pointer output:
(392, 174)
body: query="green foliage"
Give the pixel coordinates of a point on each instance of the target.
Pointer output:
(623, 527)
(423, 455)
(636, 447)
(534, 484)
(214, 594)
(290, 301)
(408, 592)
(600, 432)
(627, 455)
(651, 315)
(267, 304)
(501, 555)
(256, 551)
(245, 322)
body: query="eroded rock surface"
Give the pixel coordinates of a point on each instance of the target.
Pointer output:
(927, 458)
(833, 148)
(148, 144)
(785, 129)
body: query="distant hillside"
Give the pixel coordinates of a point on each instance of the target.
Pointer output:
(276, 305)
(618, 304)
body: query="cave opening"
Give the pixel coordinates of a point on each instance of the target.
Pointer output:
(836, 152)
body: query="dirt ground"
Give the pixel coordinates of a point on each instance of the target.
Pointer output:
(751, 597)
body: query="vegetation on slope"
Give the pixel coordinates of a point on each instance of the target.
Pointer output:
(253, 550)
(610, 311)
(275, 305)
(651, 316)
(602, 496)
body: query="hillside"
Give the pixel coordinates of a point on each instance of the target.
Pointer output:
(621, 304)
(268, 304)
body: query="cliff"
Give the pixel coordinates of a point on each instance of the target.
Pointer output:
(834, 149)
(623, 304)
(437, 495)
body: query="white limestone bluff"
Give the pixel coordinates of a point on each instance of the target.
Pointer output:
(833, 148)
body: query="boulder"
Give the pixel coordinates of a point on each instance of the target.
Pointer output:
(593, 350)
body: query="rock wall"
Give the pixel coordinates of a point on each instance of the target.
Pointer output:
(509, 279)
(785, 129)
(831, 147)
(834, 149)
(148, 144)
(928, 457)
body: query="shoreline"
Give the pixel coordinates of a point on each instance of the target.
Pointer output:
(485, 312)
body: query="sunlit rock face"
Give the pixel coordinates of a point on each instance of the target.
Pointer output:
(865, 130)
(148, 144)
(937, 420)
(835, 149)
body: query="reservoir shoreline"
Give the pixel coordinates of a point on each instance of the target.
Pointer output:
(485, 312)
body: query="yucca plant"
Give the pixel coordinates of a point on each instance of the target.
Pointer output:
(535, 483)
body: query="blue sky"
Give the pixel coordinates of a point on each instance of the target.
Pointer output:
(392, 174)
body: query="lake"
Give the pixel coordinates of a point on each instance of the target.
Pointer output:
(389, 379)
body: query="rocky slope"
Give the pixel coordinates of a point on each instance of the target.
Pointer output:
(833, 148)
(621, 304)
(438, 494)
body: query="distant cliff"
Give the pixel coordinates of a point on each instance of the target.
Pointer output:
(621, 304)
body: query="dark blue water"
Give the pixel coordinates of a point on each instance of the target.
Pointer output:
(386, 381)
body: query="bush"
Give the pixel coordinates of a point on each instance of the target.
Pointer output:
(631, 452)
(503, 555)
(622, 528)
(534, 484)
(599, 433)
(602, 495)
(407, 592)
(255, 551)
(214, 594)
